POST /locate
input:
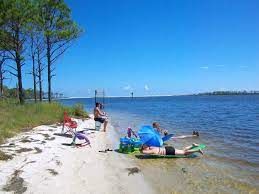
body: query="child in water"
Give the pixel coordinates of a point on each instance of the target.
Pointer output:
(165, 132)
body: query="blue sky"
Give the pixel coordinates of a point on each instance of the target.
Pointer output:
(160, 47)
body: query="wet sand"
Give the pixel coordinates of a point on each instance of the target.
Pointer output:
(41, 164)
(202, 174)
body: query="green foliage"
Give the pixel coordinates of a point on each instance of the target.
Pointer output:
(16, 118)
(78, 110)
(15, 16)
(28, 93)
(13, 93)
(54, 17)
(25, 21)
(10, 93)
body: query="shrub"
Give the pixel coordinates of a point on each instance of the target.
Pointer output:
(79, 111)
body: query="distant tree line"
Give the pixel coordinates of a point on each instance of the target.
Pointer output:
(28, 93)
(230, 93)
(33, 33)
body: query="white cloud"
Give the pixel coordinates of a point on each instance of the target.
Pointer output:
(127, 87)
(204, 67)
(146, 88)
(222, 89)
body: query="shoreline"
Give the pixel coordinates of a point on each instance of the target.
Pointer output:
(154, 96)
(41, 163)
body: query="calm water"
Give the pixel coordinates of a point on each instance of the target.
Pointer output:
(228, 125)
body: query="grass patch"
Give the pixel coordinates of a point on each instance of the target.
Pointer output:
(53, 172)
(38, 150)
(78, 111)
(4, 156)
(16, 183)
(15, 118)
(21, 150)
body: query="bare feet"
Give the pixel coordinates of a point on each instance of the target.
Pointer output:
(195, 144)
(201, 152)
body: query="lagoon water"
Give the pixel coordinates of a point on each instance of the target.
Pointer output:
(228, 125)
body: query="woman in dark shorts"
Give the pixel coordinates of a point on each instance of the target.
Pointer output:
(169, 150)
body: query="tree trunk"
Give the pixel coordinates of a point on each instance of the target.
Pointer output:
(34, 78)
(49, 69)
(19, 77)
(39, 73)
(33, 69)
(19, 66)
(1, 80)
(40, 85)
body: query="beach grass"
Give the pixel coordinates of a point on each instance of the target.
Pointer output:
(4, 156)
(15, 118)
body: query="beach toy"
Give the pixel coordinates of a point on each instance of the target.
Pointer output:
(150, 137)
(129, 145)
(131, 132)
(154, 156)
(126, 145)
(136, 142)
(125, 140)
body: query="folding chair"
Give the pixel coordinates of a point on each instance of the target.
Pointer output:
(80, 136)
(68, 123)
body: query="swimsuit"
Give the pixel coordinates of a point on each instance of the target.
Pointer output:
(169, 150)
(99, 119)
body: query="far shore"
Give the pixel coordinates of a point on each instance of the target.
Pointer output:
(150, 96)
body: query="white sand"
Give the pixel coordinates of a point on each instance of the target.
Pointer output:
(79, 170)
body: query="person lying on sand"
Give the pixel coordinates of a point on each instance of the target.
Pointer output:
(169, 150)
(100, 116)
(156, 126)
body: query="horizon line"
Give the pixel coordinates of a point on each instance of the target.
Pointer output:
(160, 95)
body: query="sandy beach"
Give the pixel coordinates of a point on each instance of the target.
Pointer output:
(41, 164)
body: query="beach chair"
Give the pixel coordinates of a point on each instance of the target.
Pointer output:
(80, 136)
(68, 124)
